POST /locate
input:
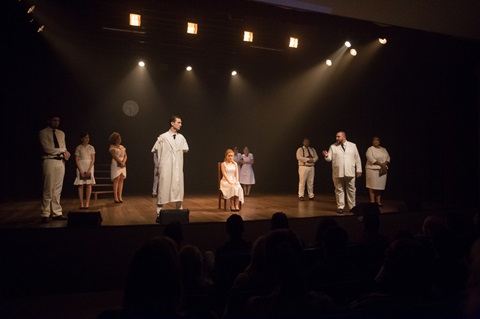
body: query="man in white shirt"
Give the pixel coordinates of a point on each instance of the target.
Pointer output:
(346, 165)
(306, 157)
(55, 154)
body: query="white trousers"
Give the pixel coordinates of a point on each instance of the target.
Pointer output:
(344, 185)
(306, 174)
(53, 174)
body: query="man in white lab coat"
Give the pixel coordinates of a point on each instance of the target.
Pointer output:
(346, 165)
(170, 147)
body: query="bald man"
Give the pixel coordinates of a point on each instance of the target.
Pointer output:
(346, 166)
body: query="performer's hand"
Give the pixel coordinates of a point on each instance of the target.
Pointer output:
(325, 153)
(66, 155)
(359, 174)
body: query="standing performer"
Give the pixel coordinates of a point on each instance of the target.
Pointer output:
(346, 165)
(85, 160)
(306, 157)
(54, 156)
(170, 147)
(118, 167)
(376, 170)
(247, 176)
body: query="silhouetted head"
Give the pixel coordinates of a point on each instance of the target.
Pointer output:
(279, 220)
(323, 225)
(174, 231)
(235, 226)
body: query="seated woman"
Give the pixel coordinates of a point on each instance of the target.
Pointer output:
(229, 184)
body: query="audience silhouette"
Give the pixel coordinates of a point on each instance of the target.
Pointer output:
(256, 280)
(290, 298)
(279, 221)
(231, 258)
(174, 231)
(427, 274)
(198, 293)
(153, 288)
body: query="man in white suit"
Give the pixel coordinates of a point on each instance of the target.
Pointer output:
(346, 165)
(169, 148)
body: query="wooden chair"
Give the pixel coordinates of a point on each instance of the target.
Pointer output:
(220, 194)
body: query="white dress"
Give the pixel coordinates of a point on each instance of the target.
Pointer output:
(247, 177)
(116, 170)
(373, 178)
(84, 155)
(227, 189)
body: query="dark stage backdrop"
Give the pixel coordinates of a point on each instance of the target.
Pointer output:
(419, 94)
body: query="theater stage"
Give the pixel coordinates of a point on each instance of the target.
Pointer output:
(140, 210)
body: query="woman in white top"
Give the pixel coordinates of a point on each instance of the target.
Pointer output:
(85, 160)
(247, 177)
(229, 184)
(118, 168)
(376, 169)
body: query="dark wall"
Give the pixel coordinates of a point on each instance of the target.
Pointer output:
(419, 94)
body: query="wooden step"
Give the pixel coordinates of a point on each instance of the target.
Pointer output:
(96, 193)
(102, 185)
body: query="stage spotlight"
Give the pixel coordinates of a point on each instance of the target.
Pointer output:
(135, 19)
(353, 52)
(382, 40)
(348, 44)
(192, 28)
(31, 9)
(141, 63)
(293, 42)
(188, 68)
(234, 73)
(328, 62)
(247, 36)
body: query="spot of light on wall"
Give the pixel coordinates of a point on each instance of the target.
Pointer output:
(329, 62)
(31, 9)
(40, 29)
(234, 72)
(348, 44)
(188, 68)
(247, 36)
(135, 20)
(192, 28)
(141, 63)
(353, 52)
(293, 42)
(382, 40)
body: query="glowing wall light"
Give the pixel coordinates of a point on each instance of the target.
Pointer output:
(293, 43)
(247, 36)
(135, 20)
(192, 28)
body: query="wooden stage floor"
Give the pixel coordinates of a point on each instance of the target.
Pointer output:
(140, 210)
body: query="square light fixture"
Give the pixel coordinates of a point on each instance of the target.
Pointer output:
(293, 43)
(247, 36)
(135, 20)
(192, 28)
